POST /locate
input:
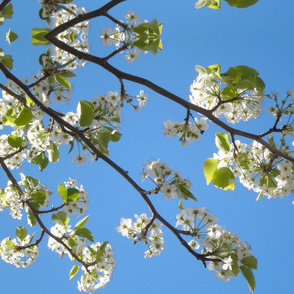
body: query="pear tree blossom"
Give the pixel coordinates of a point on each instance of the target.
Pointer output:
(38, 122)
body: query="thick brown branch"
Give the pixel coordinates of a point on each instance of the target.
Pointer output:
(3, 4)
(139, 80)
(121, 171)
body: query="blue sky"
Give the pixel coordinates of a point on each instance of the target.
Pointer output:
(259, 37)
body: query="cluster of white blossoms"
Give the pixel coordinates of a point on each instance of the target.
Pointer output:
(258, 169)
(80, 205)
(281, 107)
(99, 258)
(168, 182)
(225, 248)
(18, 252)
(185, 130)
(100, 272)
(284, 109)
(207, 93)
(141, 100)
(49, 88)
(145, 230)
(75, 36)
(124, 35)
(12, 197)
(119, 35)
(67, 235)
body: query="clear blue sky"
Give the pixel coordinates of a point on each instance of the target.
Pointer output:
(260, 37)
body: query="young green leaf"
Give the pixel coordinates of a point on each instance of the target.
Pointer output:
(31, 218)
(53, 152)
(60, 218)
(14, 141)
(85, 233)
(63, 81)
(38, 36)
(74, 270)
(249, 276)
(85, 112)
(40, 160)
(81, 223)
(24, 117)
(21, 233)
(62, 191)
(101, 251)
(6, 13)
(222, 142)
(241, 3)
(209, 168)
(184, 193)
(66, 73)
(250, 261)
(11, 36)
(6, 59)
(224, 178)
(72, 194)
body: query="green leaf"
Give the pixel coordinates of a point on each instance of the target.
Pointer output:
(243, 77)
(60, 218)
(249, 276)
(183, 192)
(141, 28)
(224, 178)
(32, 237)
(72, 194)
(200, 3)
(155, 27)
(38, 197)
(74, 271)
(115, 137)
(181, 206)
(71, 143)
(215, 4)
(53, 152)
(268, 180)
(62, 191)
(21, 233)
(38, 36)
(259, 196)
(250, 261)
(66, 73)
(101, 251)
(201, 70)
(81, 223)
(235, 268)
(85, 112)
(24, 117)
(104, 137)
(6, 13)
(141, 44)
(9, 243)
(29, 101)
(40, 160)
(241, 3)
(228, 94)
(85, 233)
(14, 141)
(209, 168)
(6, 60)
(62, 80)
(222, 142)
(11, 36)
(31, 218)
